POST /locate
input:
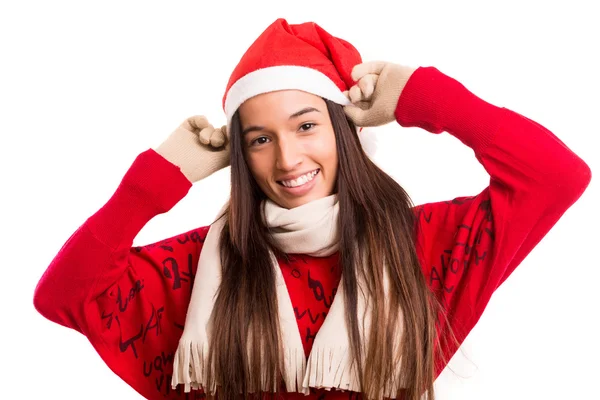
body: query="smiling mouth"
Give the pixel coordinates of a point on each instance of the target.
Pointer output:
(301, 180)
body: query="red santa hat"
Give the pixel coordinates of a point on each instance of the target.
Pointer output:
(294, 56)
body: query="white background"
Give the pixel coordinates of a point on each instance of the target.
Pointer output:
(86, 86)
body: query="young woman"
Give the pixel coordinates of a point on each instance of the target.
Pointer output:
(320, 277)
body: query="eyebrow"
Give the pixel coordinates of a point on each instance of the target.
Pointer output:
(294, 115)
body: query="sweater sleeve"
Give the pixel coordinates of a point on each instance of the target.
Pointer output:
(130, 302)
(468, 246)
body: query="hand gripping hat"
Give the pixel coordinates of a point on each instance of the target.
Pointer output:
(294, 56)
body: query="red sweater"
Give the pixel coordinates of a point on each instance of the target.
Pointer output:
(131, 302)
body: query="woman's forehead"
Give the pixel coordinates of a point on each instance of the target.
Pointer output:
(280, 105)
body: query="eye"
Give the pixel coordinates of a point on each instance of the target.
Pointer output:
(259, 140)
(307, 126)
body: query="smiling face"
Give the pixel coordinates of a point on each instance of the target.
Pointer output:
(290, 146)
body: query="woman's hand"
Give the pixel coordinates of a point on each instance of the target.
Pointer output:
(376, 92)
(197, 148)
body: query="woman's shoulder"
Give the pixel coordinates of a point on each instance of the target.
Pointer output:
(136, 323)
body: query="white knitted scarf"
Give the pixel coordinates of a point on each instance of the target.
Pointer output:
(309, 229)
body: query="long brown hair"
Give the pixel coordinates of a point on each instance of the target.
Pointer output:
(247, 349)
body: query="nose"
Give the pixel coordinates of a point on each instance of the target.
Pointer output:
(289, 155)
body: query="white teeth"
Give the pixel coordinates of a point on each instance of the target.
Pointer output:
(300, 180)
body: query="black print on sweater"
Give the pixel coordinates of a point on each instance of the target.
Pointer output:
(480, 257)
(478, 254)
(122, 302)
(486, 207)
(162, 366)
(460, 200)
(296, 274)
(109, 317)
(312, 318)
(475, 249)
(490, 233)
(171, 271)
(137, 287)
(193, 236)
(163, 245)
(309, 336)
(154, 322)
(435, 277)
(421, 213)
(319, 292)
(467, 247)
(129, 343)
(450, 264)
(160, 382)
(159, 363)
(179, 326)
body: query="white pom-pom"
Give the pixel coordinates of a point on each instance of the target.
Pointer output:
(368, 140)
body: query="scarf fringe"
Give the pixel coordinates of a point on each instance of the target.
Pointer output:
(329, 368)
(190, 366)
(295, 367)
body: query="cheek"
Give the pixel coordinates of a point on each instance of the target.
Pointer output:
(325, 151)
(259, 167)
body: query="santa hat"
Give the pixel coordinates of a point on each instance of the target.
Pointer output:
(295, 56)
